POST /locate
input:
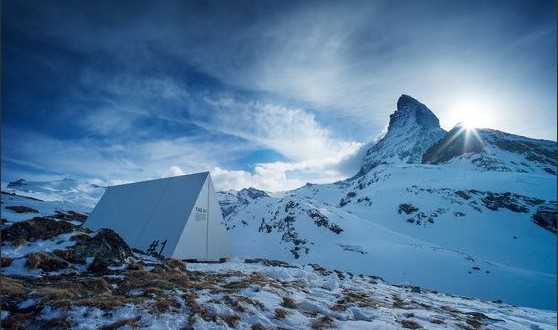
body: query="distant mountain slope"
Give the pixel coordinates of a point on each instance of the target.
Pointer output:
(493, 150)
(78, 193)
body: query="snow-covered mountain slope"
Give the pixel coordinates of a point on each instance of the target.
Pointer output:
(54, 277)
(465, 232)
(458, 226)
(412, 129)
(493, 150)
(76, 193)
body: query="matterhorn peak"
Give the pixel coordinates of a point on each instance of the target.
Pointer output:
(412, 129)
(412, 112)
(406, 100)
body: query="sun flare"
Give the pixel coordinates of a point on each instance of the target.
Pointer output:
(472, 114)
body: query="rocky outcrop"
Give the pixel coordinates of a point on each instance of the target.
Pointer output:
(546, 217)
(35, 229)
(106, 245)
(21, 209)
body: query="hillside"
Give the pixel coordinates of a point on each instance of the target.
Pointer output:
(56, 274)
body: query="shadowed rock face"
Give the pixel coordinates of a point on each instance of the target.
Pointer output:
(490, 149)
(546, 217)
(453, 144)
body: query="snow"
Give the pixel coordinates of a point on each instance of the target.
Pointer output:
(515, 257)
(351, 301)
(69, 193)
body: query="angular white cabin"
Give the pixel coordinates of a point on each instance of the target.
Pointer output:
(177, 217)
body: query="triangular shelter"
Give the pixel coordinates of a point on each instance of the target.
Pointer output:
(178, 217)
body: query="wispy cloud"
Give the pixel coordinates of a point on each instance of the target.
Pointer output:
(158, 89)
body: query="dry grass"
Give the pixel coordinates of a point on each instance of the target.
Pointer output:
(59, 297)
(164, 280)
(252, 302)
(235, 286)
(409, 324)
(97, 285)
(288, 302)
(233, 302)
(12, 287)
(324, 322)
(280, 313)
(231, 320)
(400, 303)
(176, 264)
(135, 266)
(19, 242)
(257, 326)
(58, 323)
(105, 301)
(5, 261)
(35, 259)
(360, 299)
(195, 308)
(133, 323)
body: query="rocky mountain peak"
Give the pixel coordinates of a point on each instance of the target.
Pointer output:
(412, 129)
(410, 111)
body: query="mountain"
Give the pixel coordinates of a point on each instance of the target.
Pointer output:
(493, 150)
(475, 218)
(78, 195)
(412, 129)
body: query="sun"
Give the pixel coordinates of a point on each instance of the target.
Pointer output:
(472, 114)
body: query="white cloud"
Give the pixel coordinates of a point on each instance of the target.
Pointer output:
(174, 170)
(289, 130)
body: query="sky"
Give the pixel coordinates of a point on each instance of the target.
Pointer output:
(269, 94)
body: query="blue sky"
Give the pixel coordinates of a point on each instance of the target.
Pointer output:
(270, 94)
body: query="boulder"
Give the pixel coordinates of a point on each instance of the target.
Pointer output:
(106, 244)
(35, 229)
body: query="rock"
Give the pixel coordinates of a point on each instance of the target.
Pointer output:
(106, 244)
(495, 201)
(407, 208)
(70, 216)
(22, 209)
(546, 218)
(98, 266)
(5, 261)
(36, 228)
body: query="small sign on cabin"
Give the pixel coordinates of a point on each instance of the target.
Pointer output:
(201, 213)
